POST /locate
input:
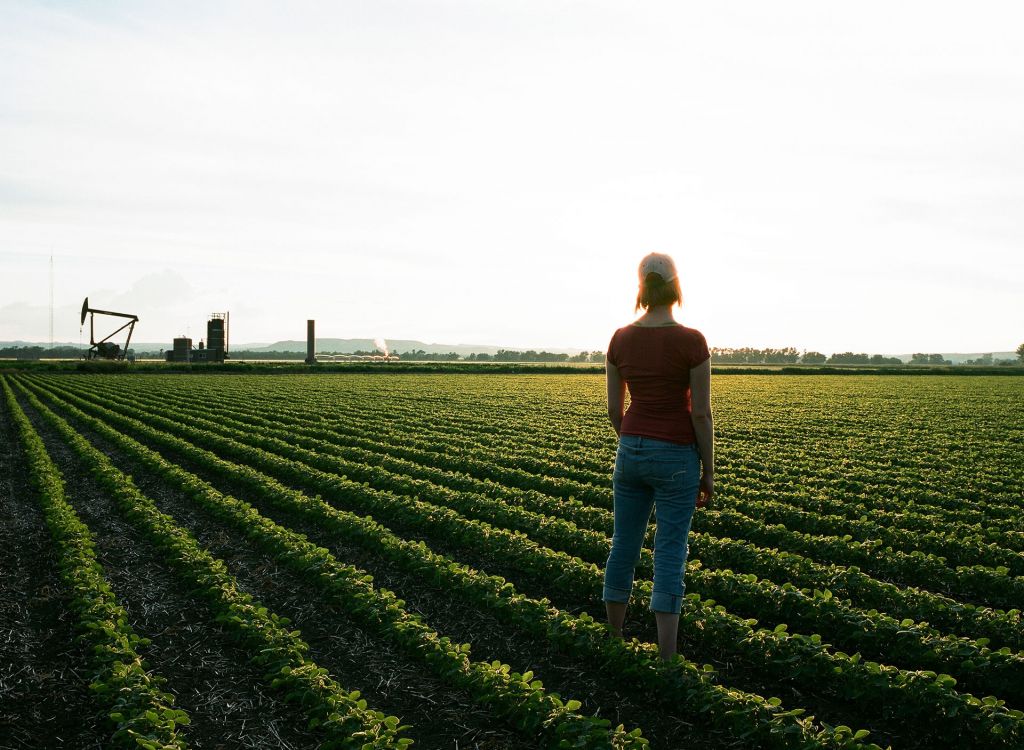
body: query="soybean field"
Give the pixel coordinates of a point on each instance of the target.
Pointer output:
(391, 560)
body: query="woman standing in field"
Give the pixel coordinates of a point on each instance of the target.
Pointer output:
(665, 458)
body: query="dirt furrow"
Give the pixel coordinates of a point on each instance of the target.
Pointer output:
(211, 677)
(640, 623)
(44, 677)
(439, 716)
(404, 691)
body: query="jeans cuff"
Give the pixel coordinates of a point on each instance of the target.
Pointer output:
(662, 602)
(615, 595)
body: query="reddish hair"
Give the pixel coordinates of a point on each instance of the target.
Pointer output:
(655, 291)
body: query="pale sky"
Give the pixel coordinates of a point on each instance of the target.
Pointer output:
(827, 176)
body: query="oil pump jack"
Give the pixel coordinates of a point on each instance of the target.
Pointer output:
(104, 348)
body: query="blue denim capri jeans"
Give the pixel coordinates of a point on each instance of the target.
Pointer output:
(664, 476)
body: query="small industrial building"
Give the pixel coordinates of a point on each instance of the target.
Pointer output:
(215, 349)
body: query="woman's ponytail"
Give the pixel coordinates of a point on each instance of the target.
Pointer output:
(655, 291)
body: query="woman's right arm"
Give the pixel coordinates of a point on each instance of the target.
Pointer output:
(703, 428)
(616, 395)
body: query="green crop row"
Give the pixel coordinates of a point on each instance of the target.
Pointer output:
(906, 507)
(958, 546)
(979, 583)
(993, 585)
(755, 413)
(986, 585)
(986, 542)
(773, 652)
(1005, 628)
(983, 624)
(895, 481)
(903, 642)
(981, 556)
(521, 440)
(342, 717)
(903, 512)
(958, 543)
(510, 694)
(143, 713)
(680, 684)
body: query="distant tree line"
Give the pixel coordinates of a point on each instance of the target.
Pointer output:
(749, 356)
(744, 355)
(276, 356)
(988, 360)
(502, 355)
(416, 355)
(851, 358)
(419, 355)
(39, 352)
(236, 354)
(507, 355)
(920, 358)
(789, 355)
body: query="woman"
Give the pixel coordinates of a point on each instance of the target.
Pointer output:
(665, 458)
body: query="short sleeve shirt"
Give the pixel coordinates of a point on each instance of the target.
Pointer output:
(655, 363)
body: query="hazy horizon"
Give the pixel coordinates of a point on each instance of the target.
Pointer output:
(465, 347)
(834, 178)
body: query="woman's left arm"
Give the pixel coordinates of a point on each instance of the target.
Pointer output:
(616, 395)
(703, 428)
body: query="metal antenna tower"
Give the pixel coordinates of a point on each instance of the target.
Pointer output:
(51, 303)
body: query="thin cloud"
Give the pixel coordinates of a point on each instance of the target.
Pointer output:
(492, 171)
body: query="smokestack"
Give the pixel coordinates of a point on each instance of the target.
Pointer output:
(310, 342)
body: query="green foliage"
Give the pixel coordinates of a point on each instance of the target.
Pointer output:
(143, 713)
(851, 577)
(522, 701)
(343, 719)
(540, 518)
(747, 355)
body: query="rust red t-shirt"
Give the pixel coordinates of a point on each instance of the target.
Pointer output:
(655, 362)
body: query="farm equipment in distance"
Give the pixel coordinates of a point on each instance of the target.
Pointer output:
(105, 348)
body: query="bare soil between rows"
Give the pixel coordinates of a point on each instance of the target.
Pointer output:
(440, 716)
(624, 707)
(733, 672)
(208, 674)
(44, 676)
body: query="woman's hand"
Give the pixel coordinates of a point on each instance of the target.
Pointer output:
(706, 491)
(703, 429)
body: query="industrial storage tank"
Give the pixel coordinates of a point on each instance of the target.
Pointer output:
(218, 329)
(182, 350)
(216, 338)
